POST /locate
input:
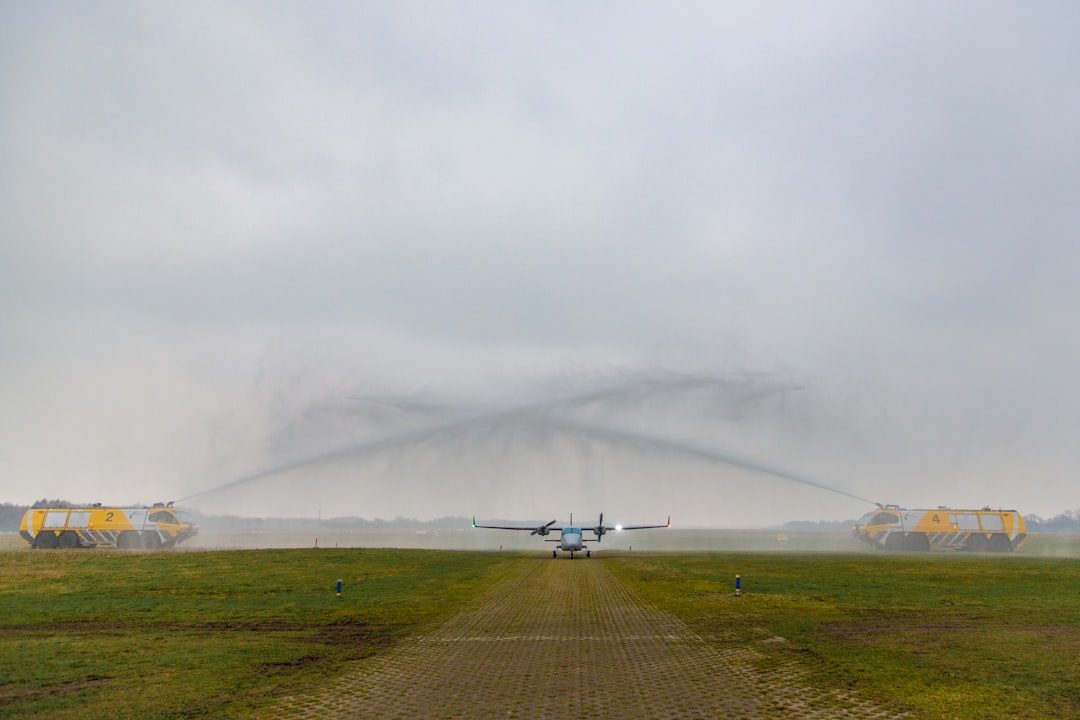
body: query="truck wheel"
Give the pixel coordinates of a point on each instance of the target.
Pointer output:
(151, 541)
(127, 540)
(999, 542)
(976, 542)
(68, 540)
(918, 542)
(45, 540)
(896, 541)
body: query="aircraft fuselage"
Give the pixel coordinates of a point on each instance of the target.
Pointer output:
(571, 540)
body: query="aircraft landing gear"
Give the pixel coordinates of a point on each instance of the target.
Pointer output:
(588, 553)
(554, 554)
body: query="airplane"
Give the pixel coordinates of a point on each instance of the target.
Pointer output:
(571, 538)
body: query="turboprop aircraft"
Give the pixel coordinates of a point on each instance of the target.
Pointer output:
(572, 538)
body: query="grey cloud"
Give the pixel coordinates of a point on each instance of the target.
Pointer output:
(872, 201)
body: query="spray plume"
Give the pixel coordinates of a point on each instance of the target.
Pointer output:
(553, 416)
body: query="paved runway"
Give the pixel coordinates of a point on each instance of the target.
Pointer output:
(568, 640)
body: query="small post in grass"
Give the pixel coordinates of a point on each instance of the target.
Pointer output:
(738, 586)
(339, 587)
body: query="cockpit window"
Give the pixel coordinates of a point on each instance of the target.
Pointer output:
(877, 517)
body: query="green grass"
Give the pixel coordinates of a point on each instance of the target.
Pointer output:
(99, 634)
(107, 634)
(946, 635)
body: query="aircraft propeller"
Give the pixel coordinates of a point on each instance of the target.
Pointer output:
(600, 529)
(543, 529)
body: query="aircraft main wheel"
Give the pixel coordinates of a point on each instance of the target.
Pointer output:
(45, 540)
(588, 553)
(68, 540)
(554, 554)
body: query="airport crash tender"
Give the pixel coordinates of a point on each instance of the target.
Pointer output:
(894, 528)
(159, 526)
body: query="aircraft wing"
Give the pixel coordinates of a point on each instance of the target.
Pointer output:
(639, 527)
(535, 530)
(600, 529)
(519, 527)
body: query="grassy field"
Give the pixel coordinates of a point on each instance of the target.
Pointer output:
(947, 635)
(106, 634)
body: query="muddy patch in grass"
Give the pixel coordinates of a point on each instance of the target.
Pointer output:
(10, 695)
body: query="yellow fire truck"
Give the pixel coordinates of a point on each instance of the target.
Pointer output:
(158, 526)
(891, 527)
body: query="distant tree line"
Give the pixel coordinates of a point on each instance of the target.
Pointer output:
(1067, 522)
(11, 515)
(233, 523)
(817, 525)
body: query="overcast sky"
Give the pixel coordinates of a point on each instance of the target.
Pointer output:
(525, 259)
